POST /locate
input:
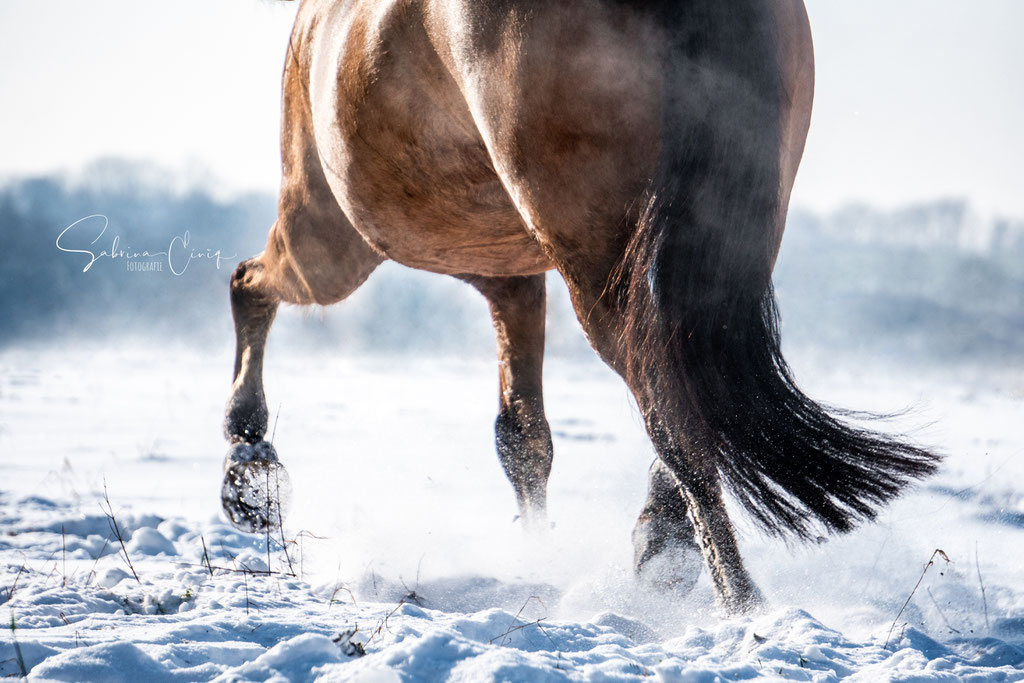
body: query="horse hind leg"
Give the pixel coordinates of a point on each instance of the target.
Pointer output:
(522, 434)
(313, 256)
(684, 516)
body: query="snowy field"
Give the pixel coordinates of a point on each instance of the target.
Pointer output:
(402, 543)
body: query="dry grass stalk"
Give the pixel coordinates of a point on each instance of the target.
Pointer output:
(931, 561)
(116, 530)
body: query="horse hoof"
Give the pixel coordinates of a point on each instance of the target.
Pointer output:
(676, 567)
(257, 490)
(666, 557)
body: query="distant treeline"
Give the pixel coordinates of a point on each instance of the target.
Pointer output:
(931, 281)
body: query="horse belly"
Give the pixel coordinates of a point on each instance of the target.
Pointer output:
(403, 155)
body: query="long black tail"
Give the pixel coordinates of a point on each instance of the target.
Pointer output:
(702, 330)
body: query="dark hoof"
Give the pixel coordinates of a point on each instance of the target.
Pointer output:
(256, 491)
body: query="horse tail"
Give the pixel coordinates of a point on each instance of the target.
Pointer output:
(701, 333)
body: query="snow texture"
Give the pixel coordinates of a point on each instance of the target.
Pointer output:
(404, 561)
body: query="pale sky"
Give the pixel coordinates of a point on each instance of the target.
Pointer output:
(916, 99)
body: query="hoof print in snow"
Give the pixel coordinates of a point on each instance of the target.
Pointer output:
(256, 490)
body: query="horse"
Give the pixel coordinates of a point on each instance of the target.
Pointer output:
(646, 151)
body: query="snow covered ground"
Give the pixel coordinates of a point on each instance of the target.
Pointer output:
(402, 541)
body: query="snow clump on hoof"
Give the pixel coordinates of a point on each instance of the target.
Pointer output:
(257, 490)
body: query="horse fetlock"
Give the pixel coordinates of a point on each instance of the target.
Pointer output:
(743, 599)
(527, 463)
(246, 420)
(524, 446)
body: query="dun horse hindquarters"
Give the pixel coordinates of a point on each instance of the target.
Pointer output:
(645, 150)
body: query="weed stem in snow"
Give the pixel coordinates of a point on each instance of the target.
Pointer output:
(931, 561)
